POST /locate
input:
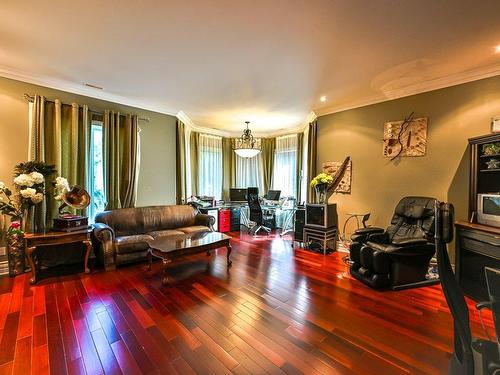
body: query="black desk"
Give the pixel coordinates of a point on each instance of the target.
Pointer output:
(477, 246)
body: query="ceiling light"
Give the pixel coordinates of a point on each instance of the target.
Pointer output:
(245, 145)
(497, 49)
(323, 99)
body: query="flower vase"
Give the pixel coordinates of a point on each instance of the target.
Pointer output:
(27, 220)
(15, 253)
(321, 193)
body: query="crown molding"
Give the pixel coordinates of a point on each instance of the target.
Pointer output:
(182, 116)
(78, 89)
(417, 88)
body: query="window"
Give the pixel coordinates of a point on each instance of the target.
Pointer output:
(96, 171)
(285, 165)
(210, 166)
(249, 171)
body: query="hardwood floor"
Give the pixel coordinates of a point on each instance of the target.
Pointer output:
(276, 311)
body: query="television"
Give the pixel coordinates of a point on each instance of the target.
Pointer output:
(488, 209)
(273, 195)
(321, 215)
(237, 195)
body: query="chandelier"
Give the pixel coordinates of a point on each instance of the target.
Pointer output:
(245, 145)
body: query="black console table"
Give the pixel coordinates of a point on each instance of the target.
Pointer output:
(477, 246)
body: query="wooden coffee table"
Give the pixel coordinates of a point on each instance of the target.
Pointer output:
(168, 248)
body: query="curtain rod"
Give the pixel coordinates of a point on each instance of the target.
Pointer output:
(31, 98)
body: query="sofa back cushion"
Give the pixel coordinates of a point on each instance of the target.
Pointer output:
(141, 220)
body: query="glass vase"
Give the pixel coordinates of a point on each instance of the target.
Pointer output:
(321, 193)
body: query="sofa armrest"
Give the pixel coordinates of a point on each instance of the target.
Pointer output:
(206, 220)
(105, 238)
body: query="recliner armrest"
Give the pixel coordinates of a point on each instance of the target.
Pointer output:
(410, 250)
(362, 234)
(409, 241)
(206, 220)
(378, 237)
(369, 230)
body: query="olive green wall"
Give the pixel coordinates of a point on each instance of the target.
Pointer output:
(157, 173)
(455, 114)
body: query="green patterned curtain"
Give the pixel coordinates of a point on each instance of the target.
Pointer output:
(194, 140)
(181, 180)
(300, 140)
(228, 167)
(121, 159)
(311, 157)
(268, 146)
(59, 136)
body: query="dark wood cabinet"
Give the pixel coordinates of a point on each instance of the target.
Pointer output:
(478, 246)
(482, 179)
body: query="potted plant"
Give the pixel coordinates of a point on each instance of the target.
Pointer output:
(321, 183)
(29, 183)
(491, 149)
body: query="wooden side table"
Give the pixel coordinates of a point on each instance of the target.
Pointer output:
(34, 240)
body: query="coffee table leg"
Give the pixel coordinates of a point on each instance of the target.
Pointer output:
(29, 255)
(164, 281)
(150, 260)
(88, 244)
(229, 249)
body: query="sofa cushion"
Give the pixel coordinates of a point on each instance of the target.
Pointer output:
(132, 244)
(164, 233)
(194, 229)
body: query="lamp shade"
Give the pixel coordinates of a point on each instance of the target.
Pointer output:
(247, 152)
(245, 146)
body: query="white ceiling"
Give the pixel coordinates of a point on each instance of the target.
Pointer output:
(222, 62)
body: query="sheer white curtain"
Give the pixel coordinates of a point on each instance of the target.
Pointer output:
(285, 165)
(249, 172)
(210, 166)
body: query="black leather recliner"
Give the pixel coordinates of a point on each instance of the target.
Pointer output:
(398, 257)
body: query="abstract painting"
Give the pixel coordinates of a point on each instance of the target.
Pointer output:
(331, 167)
(405, 138)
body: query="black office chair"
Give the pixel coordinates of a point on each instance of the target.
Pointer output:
(493, 283)
(471, 356)
(256, 215)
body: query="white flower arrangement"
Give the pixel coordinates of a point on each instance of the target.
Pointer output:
(37, 177)
(27, 193)
(24, 180)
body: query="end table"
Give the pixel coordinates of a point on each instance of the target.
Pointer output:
(35, 240)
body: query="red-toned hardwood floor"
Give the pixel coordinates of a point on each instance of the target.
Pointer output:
(277, 311)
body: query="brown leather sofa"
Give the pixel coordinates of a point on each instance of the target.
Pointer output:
(122, 235)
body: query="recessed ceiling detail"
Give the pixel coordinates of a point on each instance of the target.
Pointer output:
(267, 62)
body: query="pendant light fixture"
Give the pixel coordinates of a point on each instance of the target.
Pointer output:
(245, 145)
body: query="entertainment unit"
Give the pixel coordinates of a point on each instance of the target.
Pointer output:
(477, 242)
